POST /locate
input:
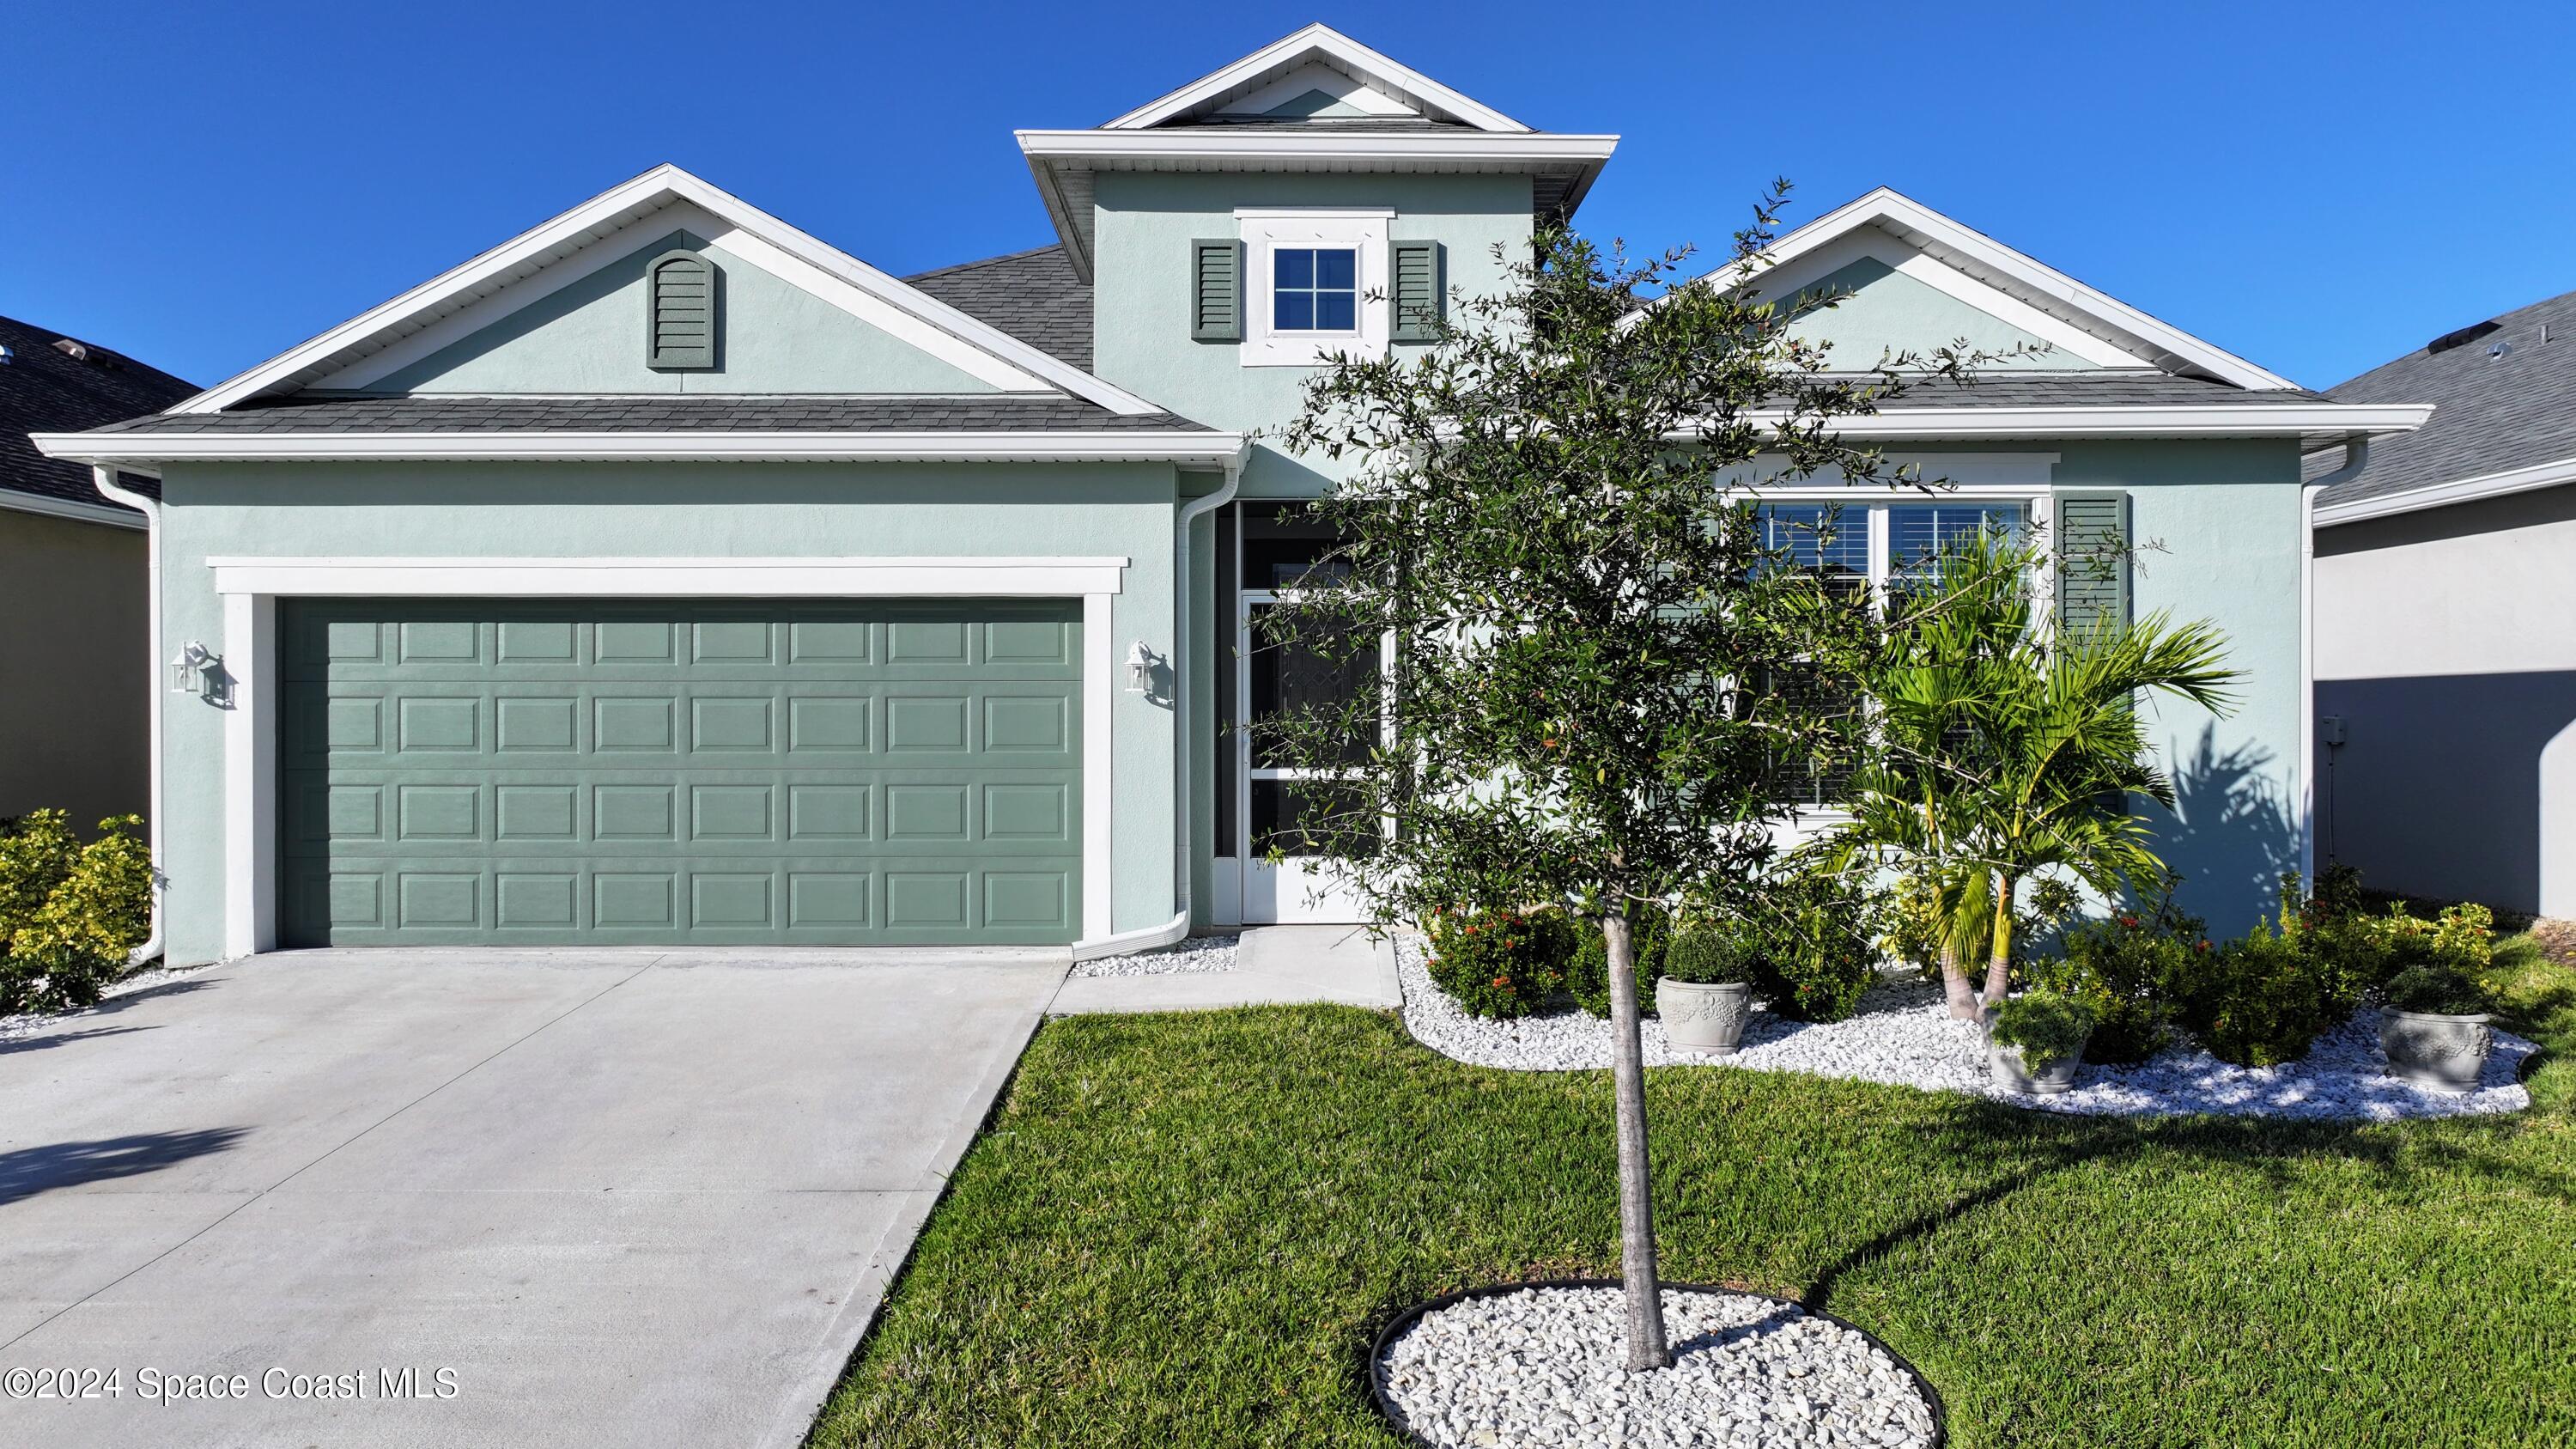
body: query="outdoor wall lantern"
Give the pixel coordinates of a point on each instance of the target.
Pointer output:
(194, 669)
(1140, 669)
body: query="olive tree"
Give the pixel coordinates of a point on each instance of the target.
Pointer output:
(1604, 657)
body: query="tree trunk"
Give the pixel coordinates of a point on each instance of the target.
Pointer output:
(1646, 1348)
(1954, 984)
(1999, 966)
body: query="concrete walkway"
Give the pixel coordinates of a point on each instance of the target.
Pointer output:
(1279, 966)
(584, 1198)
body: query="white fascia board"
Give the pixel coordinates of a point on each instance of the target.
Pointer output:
(1223, 147)
(2242, 420)
(78, 512)
(1213, 449)
(1886, 206)
(2438, 495)
(609, 211)
(1359, 61)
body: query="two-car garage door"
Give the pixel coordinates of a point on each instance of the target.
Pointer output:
(679, 772)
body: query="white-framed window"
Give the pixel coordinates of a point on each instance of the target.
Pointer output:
(1308, 278)
(1885, 548)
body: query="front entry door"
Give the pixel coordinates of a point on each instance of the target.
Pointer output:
(1274, 798)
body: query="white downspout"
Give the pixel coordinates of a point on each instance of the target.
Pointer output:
(2356, 457)
(1184, 777)
(104, 479)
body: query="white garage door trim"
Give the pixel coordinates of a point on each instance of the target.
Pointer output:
(251, 587)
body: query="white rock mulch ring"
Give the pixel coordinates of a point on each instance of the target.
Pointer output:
(1903, 1037)
(1546, 1365)
(1188, 955)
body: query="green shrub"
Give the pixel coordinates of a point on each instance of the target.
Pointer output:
(2438, 987)
(2048, 1025)
(1913, 927)
(1500, 963)
(1587, 973)
(2127, 971)
(1712, 953)
(70, 913)
(2264, 998)
(1815, 946)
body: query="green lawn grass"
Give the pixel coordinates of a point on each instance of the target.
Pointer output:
(1184, 1231)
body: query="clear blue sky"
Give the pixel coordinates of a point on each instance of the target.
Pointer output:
(2316, 186)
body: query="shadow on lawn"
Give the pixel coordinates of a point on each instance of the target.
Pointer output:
(2273, 1149)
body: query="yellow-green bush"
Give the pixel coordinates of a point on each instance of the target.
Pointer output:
(69, 913)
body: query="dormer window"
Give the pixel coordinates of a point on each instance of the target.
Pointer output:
(1309, 276)
(1315, 289)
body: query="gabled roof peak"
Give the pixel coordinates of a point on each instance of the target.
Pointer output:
(1283, 79)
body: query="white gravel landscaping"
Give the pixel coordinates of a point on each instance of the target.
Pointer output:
(1903, 1037)
(28, 1023)
(1188, 955)
(1546, 1366)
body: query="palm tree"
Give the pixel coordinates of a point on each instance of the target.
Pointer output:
(2010, 749)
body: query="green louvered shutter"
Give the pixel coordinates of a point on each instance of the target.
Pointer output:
(681, 328)
(1216, 291)
(2092, 561)
(1416, 289)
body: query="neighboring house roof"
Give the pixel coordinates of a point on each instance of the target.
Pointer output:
(657, 412)
(45, 389)
(2504, 395)
(1033, 295)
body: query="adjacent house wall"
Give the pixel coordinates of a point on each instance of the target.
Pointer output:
(74, 671)
(2446, 643)
(749, 510)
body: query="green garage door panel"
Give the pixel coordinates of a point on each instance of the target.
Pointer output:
(680, 773)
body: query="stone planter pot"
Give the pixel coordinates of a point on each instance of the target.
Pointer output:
(2446, 1053)
(1703, 1018)
(2011, 1074)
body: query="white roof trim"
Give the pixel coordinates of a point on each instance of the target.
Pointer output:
(1362, 64)
(2438, 495)
(2237, 420)
(1983, 257)
(110, 514)
(1419, 147)
(607, 212)
(1140, 445)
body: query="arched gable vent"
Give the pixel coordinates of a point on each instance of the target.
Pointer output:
(681, 320)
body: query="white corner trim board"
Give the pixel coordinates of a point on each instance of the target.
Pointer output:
(251, 586)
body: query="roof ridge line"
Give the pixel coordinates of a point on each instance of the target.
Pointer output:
(1055, 246)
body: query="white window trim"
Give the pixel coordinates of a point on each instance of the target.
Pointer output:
(251, 586)
(1363, 230)
(2039, 513)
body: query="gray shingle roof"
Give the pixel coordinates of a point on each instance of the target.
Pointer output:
(2490, 414)
(2107, 388)
(45, 390)
(675, 412)
(1032, 295)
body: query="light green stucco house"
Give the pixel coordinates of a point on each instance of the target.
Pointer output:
(668, 575)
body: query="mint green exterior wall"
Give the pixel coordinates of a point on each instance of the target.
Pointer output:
(1882, 311)
(2218, 529)
(503, 511)
(588, 337)
(1140, 298)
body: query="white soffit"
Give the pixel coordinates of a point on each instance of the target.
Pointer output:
(750, 235)
(1219, 91)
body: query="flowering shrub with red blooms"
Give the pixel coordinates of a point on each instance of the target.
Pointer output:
(1500, 963)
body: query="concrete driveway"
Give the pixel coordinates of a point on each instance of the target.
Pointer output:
(610, 1198)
